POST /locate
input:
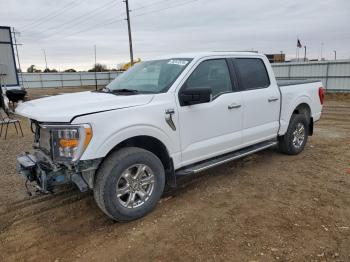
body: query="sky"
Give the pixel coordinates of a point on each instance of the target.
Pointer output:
(68, 30)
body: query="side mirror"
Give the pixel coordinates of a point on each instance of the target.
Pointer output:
(193, 96)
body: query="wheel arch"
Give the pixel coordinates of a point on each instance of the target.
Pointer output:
(304, 108)
(154, 145)
(302, 104)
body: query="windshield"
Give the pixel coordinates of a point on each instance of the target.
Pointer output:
(151, 76)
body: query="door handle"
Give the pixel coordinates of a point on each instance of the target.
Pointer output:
(233, 106)
(273, 99)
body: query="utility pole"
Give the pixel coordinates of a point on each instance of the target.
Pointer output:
(335, 54)
(95, 68)
(14, 32)
(322, 51)
(305, 53)
(129, 31)
(45, 58)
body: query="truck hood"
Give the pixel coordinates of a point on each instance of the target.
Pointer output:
(63, 108)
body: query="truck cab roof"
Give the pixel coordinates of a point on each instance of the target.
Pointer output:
(199, 55)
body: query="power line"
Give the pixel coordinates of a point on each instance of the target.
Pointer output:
(90, 14)
(82, 18)
(105, 23)
(129, 26)
(95, 27)
(152, 4)
(50, 16)
(113, 21)
(142, 14)
(166, 8)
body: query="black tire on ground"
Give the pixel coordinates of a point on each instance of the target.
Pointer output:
(109, 175)
(286, 144)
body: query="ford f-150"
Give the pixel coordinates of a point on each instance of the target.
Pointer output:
(162, 119)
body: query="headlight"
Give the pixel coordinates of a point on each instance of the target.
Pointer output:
(69, 142)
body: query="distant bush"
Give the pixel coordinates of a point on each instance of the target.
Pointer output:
(48, 70)
(71, 70)
(99, 68)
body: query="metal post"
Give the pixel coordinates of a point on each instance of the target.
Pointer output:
(129, 31)
(62, 80)
(41, 80)
(335, 54)
(18, 61)
(95, 69)
(289, 69)
(45, 58)
(327, 70)
(281, 59)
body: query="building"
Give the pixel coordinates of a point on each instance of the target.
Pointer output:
(276, 58)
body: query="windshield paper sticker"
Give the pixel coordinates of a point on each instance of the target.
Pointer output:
(178, 62)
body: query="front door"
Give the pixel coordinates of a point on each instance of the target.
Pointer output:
(212, 128)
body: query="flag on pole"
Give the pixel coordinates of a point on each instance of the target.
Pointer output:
(299, 44)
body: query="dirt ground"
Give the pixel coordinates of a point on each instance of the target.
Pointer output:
(265, 207)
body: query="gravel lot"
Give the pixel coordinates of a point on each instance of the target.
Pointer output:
(265, 207)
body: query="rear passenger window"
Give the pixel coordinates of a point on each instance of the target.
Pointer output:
(211, 73)
(252, 73)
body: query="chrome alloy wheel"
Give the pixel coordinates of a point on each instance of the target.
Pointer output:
(298, 135)
(135, 186)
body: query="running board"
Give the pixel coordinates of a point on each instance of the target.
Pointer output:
(203, 165)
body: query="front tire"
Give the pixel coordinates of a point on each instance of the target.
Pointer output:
(129, 184)
(293, 142)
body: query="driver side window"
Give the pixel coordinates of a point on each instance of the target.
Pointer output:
(213, 74)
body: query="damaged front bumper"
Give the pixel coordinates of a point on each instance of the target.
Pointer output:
(47, 175)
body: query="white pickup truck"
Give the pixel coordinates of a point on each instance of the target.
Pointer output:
(162, 119)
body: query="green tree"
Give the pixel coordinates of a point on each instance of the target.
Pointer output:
(33, 69)
(98, 68)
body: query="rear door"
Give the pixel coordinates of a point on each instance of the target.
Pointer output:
(261, 100)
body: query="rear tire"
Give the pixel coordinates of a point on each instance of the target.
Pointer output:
(129, 183)
(293, 142)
